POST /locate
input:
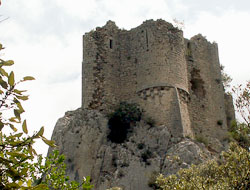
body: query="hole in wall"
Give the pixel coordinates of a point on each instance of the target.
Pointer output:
(197, 84)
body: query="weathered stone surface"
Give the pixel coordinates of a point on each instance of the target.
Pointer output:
(183, 154)
(82, 136)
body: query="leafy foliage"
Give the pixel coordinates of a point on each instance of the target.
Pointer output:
(239, 132)
(18, 168)
(242, 101)
(16, 151)
(127, 112)
(54, 175)
(231, 172)
(120, 121)
(226, 79)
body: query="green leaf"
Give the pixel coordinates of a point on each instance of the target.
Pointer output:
(17, 154)
(24, 172)
(28, 78)
(22, 97)
(24, 126)
(3, 72)
(17, 114)
(18, 135)
(8, 63)
(49, 142)
(13, 119)
(1, 46)
(1, 126)
(34, 151)
(11, 79)
(41, 131)
(21, 110)
(13, 128)
(29, 182)
(40, 186)
(12, 185)
(3, 84)
(30, 150)
(19, 91)
(20, 183)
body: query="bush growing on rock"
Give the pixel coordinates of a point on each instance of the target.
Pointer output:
(230, 172)
(121, 119)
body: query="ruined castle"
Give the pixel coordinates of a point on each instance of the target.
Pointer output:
(176, 81)
(178, 84)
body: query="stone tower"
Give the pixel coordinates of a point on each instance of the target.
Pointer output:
(176, 81)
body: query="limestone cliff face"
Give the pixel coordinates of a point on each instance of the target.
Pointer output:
(82, 136)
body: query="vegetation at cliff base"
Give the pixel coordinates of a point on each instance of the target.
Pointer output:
(230, 172)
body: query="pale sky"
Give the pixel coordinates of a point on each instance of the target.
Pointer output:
(44, 38)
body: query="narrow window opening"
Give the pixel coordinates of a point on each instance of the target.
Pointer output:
(110, 44)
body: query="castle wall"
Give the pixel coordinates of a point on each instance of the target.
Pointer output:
(161, 61)
(100, 65)
(229, 107)
(206, 107)
(161, 65)
(127, 65)
(177, 82)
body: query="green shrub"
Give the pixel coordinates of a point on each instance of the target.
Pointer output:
(201, 139)
(126, 112)
(239, 132)
(231, 172)
(121, 119)
(152, 180)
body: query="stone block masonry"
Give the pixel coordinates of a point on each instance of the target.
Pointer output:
(176, 81)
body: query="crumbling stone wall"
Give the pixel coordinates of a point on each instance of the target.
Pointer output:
(176, 81)
(206, 107)
(100, 69)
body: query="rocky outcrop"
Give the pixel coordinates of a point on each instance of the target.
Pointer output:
(81, 135)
